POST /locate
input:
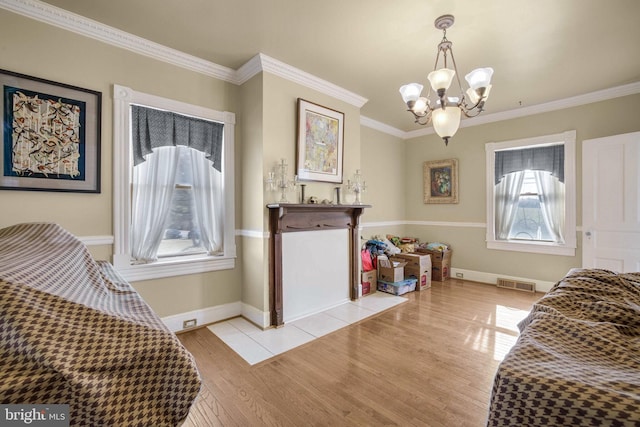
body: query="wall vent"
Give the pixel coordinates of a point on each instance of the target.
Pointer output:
(517, 285)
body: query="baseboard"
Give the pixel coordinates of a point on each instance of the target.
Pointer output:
(318, 310)
(255, 316)
(203, 316)
(490, 278)
(262, 319)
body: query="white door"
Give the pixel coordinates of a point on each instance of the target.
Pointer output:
(611, 203)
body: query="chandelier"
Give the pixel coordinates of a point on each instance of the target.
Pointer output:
(445, 112)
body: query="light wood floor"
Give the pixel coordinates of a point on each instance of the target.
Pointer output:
(427, 362)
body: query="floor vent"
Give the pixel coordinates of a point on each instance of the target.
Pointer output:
(517, 285)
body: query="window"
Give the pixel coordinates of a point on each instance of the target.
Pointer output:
(173, 179)
(181, 233)
(530, 221)
(531, 195)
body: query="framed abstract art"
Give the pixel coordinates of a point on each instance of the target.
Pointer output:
(320, 143)
(50, 135)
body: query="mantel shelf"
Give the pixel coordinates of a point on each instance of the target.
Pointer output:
(313, 206)
(292, 217)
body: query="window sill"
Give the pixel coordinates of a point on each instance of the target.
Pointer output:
(533, 247)
(172, 267)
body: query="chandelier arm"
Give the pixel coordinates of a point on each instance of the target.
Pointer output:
(435, 66)
(471, 113)
(455, 67)
(426, 122)
(479, 105)
(426, 118)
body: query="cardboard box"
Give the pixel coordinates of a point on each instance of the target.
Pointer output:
(390, 271)
(441, 271)
(397, 288)
(436, 256)
(419, 267)
(416, 260)
(440, 263)
(423, 277)
(369, 282)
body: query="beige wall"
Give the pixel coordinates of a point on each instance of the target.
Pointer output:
(590, 121)
(251, 169)
(265, 108)
(36, 49)
(280, 116)
(382, 159)
(278, 141)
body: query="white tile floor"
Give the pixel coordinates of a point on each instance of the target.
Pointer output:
(256, 345)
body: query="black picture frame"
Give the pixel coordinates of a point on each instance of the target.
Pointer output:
(51, 134)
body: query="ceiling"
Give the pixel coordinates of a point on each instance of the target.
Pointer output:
(541, 51)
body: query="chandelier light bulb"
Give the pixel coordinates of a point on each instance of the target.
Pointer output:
(411, 92)
(441, 79)
(446, 121)
(479, 78)
(474, 96)
(420, 106)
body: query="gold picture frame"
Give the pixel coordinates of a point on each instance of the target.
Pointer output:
(441, 181)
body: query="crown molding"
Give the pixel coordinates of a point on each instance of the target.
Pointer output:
(574, 101)
(279, 68)
(248, 70)
(81, 25)
(382, 127)
(69, 21)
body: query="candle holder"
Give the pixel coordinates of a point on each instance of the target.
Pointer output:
(278, 181)
(357, 186)
(270, 182)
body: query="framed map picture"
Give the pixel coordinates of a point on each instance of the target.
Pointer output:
(50, 135)
(441, 181)
(319, 143)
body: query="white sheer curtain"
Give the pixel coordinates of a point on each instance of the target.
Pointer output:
(153, 186)
(507, 195)
(551, 193)
(207, 192)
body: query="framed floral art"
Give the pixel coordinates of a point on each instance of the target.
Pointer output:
(441, 181)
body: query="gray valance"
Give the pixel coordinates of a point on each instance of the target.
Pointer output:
(153, 128)
(550, 158)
